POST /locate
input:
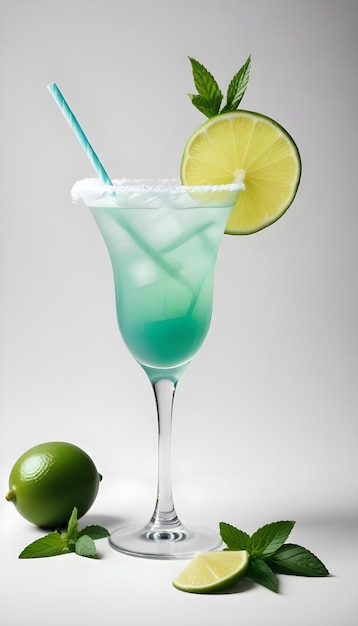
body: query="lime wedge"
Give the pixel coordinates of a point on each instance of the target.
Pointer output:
(212, 571)
(251, 148)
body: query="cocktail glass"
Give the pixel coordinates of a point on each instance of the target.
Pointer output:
(163, 241)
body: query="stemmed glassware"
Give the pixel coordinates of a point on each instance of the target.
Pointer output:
(163, 239)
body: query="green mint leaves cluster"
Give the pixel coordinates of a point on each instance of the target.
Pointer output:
(270, 555)
(82, 542)
(209, 98)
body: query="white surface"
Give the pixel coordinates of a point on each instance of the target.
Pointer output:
(265, 423)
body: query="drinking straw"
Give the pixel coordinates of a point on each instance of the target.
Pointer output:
(69, 116)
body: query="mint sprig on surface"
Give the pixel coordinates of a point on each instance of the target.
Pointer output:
(209, 98)
(270, 555)
(82, 542)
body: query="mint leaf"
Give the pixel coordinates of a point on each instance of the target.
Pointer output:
(267, 539)
(261, 573)
(72, 527)
(95, 532)
(205, 83)
(50, 545)
(234, 538)
(293, 559)
(85, 546)
(208, 107)
(237, 87)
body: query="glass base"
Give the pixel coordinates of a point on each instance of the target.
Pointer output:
(155, 543)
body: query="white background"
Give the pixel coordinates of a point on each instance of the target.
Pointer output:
(265, 424)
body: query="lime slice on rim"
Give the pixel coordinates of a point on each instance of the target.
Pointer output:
(213, 571)
(248, 147)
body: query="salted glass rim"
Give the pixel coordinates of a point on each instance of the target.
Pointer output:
(95, 187)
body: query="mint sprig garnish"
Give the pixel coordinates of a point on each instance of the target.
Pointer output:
(81, 542)
(209, 98)
(270, 555)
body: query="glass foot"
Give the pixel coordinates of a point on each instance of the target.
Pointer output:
(161, 543)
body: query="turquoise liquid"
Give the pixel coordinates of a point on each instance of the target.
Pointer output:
(163, 259)
(163, 324)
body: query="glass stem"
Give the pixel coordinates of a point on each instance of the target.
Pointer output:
(165, 523)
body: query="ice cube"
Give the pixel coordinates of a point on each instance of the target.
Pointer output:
(143, 273)
(163, 230)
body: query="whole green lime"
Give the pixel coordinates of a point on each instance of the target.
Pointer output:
(49, 480)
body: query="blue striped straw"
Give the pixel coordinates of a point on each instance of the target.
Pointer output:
(79, 133)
